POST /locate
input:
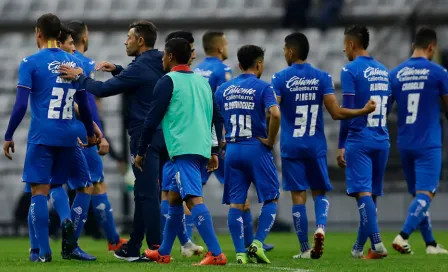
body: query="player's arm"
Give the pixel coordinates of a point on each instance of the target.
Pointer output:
(163, 91)
(332, 105)
(218, 122)
(271, 104)
(106, 66)
(85, 116)
(443, 90)
(223, 77)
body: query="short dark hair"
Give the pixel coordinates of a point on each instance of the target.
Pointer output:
(298, 42)
(208, 40)
(360, 33)
(65, 33)
(50, 25)
(424, 37)
(146, 30)
(186, 35)
(78, 29)
(248, 55)
(180, 49)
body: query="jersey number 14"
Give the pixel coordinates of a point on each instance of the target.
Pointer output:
(54, 109)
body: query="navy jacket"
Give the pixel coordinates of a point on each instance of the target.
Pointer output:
(137, 81)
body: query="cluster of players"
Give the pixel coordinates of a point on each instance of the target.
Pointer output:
(250, 112)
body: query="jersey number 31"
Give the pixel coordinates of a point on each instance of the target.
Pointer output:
(54, 109)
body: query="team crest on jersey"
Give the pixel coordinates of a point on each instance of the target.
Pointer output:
(228, 76)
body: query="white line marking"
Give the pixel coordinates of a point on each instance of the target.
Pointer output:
(267, 266)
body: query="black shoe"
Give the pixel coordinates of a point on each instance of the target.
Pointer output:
(130, 254)
(69, 242)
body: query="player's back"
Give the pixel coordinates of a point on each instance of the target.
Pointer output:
(215, 71)
(366, 78)
(417, 85)
(302, 88)
(51, 97)
(243, 104)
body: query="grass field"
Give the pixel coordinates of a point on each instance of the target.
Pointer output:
(13, 257)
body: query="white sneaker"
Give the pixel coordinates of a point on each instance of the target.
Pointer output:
(436, 250)
(401, 245)
(318, 249)
(303, 255)
(358, 254)
(190, 249)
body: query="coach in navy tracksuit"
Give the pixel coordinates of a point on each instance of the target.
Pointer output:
(137, 82)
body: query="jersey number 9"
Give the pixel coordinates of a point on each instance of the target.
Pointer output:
(54, 111)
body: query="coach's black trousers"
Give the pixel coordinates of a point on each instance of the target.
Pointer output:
(146, 194)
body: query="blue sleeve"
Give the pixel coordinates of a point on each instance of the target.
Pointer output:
(348, 101)
(276, 84)
(223, 77)
(443, 86)
(347, 82)
(327, 84)
(127, 80)
(269, 98)
(94, 111)
(163, 91)
(118, 69)
(18, 111)
(26, 69)
(84, 112)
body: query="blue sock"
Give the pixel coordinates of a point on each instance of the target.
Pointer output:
(248, 228)
(321, 206)
(419, 206)
(300, 220)
(266, 221)
(39, 219)
(103, 214)
(369, 219)
(236, 227)
(182, 234)
(172, 226)
(34, 243)
(61, 203)
(361, 239)
(164, 207)
(204, 224)
(425, 227)
(189, 223)
(80, 208)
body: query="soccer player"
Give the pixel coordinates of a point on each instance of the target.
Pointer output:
(52, 138)
(185, 103)
(217, 73)
(301, 90)
(100, 201)
(243, 102)
(364, 140)
(136, 82)
(417, 86)
(188, 248)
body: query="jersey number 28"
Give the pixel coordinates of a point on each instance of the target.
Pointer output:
(54, 109)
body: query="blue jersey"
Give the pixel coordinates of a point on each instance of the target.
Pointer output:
(215, 71)
(51, 97)
(417, 85)
(366, 78)
(88, 66)
(243, 102)
(302, 89)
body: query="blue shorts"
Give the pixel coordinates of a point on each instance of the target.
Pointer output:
(219, 173)
(188, 176)
(301, 174)
(247, 163)
(95, 164)
(55, 165)
(365, 168)
(422, 169)
(168, 176)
